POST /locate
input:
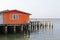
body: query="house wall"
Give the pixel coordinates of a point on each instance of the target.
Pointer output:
(23, 18)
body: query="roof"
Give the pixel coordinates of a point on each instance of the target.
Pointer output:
(14, 10)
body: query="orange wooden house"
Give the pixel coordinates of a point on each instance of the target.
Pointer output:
(14, 17)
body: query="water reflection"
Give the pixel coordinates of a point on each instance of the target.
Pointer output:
(14, 37)
(46, 28)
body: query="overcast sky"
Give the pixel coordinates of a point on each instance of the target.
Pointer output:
(38, 8)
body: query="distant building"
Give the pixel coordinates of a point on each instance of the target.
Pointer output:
(14, 17)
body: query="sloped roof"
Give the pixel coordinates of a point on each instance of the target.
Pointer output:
(14, 10)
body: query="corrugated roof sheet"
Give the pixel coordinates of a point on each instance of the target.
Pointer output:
(15, 10)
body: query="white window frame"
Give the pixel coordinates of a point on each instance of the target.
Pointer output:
(14, 16)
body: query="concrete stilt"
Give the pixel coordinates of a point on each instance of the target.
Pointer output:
(5, 29)
(39, 25)
(31, 27)
(28, 29)
(48, 25)
(36, 26)
(14, 29)
(44, 25)
(22, 28)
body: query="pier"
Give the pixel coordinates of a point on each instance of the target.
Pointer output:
(25, 28)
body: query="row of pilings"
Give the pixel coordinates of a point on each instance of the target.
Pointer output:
(12, 29)
(25, 28)
(40, 25)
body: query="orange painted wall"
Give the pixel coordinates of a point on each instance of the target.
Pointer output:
(23, 18)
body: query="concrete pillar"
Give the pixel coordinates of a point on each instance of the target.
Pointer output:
(36, 25)
(14, 29)
(32, 26)
(29, 27)
(44, 25)
(48, 24)
(5, 29)
(39, 25)
(51, 25)
(22, 28)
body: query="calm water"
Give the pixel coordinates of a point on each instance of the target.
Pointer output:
(43, 34)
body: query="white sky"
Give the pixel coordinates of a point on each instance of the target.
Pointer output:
(38, 8)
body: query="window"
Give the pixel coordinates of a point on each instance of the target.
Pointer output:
(14, 16)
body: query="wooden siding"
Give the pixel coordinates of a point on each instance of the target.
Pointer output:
(23, 18)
